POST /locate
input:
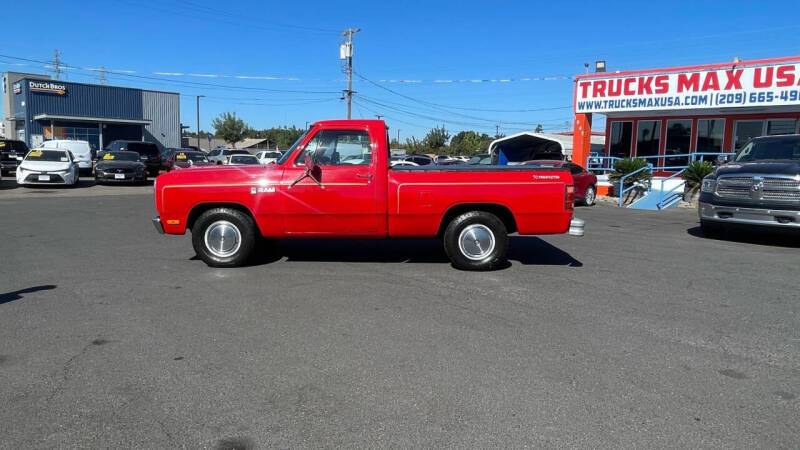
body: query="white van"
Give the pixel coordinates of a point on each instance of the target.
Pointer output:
(80, 149)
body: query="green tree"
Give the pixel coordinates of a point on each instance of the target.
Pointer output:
(230, 128)
(539, 129)
(414, 145)
(281, 137)
(436, 139)
(469, 143)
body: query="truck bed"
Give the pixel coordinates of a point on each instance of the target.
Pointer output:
(418, 196)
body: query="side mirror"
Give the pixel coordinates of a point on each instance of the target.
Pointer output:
(724, 159)
(309, 162)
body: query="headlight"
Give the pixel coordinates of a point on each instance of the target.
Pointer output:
(709, 185)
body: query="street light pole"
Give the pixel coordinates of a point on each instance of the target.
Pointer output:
(197, 97)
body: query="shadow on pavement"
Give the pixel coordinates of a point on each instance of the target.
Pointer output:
(17, 295)
(524, 250)
(753, 235)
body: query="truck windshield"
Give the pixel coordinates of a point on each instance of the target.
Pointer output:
(290, 150)
(783, 148)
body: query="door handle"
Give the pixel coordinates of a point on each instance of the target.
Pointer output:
(366, 176)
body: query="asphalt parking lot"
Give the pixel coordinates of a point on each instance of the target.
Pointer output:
(640, 334)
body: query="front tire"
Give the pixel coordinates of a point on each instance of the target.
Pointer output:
(476, 240)
(224, 237)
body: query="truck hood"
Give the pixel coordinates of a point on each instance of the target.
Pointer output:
(787, 167)
(45, 166)
(223, 175)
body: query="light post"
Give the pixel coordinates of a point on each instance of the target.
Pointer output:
(197, 97)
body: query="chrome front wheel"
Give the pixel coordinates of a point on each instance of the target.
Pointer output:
(223, 239)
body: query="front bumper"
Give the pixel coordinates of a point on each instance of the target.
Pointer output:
(31, 178)
(158, 225)
(109, 177)
(9, 164)
(749, 216)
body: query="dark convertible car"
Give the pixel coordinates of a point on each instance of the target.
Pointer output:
(120, 167)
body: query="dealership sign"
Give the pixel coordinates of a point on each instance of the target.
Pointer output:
(774, 85)
(47, 87)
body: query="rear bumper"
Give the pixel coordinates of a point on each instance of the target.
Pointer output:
(157, 224)
(749, 216)
(577, 227)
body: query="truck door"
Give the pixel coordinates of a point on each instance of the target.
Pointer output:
(346, 200)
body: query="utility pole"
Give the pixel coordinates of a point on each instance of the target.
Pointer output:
(198, 119)
(497, 131)
(398, 136)
(57, 63)
(346, 53)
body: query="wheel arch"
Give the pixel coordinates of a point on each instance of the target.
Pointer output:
(200, 208)
(501, 211)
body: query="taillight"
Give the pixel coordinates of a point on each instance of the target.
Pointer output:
(569, 197)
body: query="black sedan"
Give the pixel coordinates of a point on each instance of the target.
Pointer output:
(120, 167)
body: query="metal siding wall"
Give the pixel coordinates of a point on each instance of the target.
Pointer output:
(89, 101)
(163, 110)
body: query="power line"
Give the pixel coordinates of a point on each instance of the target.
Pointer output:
(178, 82)
(437, 106)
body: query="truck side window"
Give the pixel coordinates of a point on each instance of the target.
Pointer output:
(338, 148)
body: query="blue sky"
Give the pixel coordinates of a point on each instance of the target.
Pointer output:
(437, 53)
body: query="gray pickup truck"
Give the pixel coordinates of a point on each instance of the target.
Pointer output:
(758, 187)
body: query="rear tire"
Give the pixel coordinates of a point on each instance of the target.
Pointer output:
(224, 237)
(712, 229)
(476, 240)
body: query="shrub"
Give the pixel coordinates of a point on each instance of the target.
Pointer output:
(696, 171)
(629, 165)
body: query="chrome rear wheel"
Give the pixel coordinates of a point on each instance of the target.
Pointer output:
(476, 242)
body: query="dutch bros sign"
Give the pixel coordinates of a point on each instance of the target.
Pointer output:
(768, 85)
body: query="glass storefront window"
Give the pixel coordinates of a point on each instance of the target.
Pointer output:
(621, 138)
(90, 135)
(710, 133)
(679, 136)
(648, 140)
(746, 130)
(781, 126)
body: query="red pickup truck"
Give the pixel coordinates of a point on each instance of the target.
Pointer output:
(337, 181)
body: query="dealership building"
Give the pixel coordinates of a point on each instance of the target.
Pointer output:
(38, 108)
(660, 113)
